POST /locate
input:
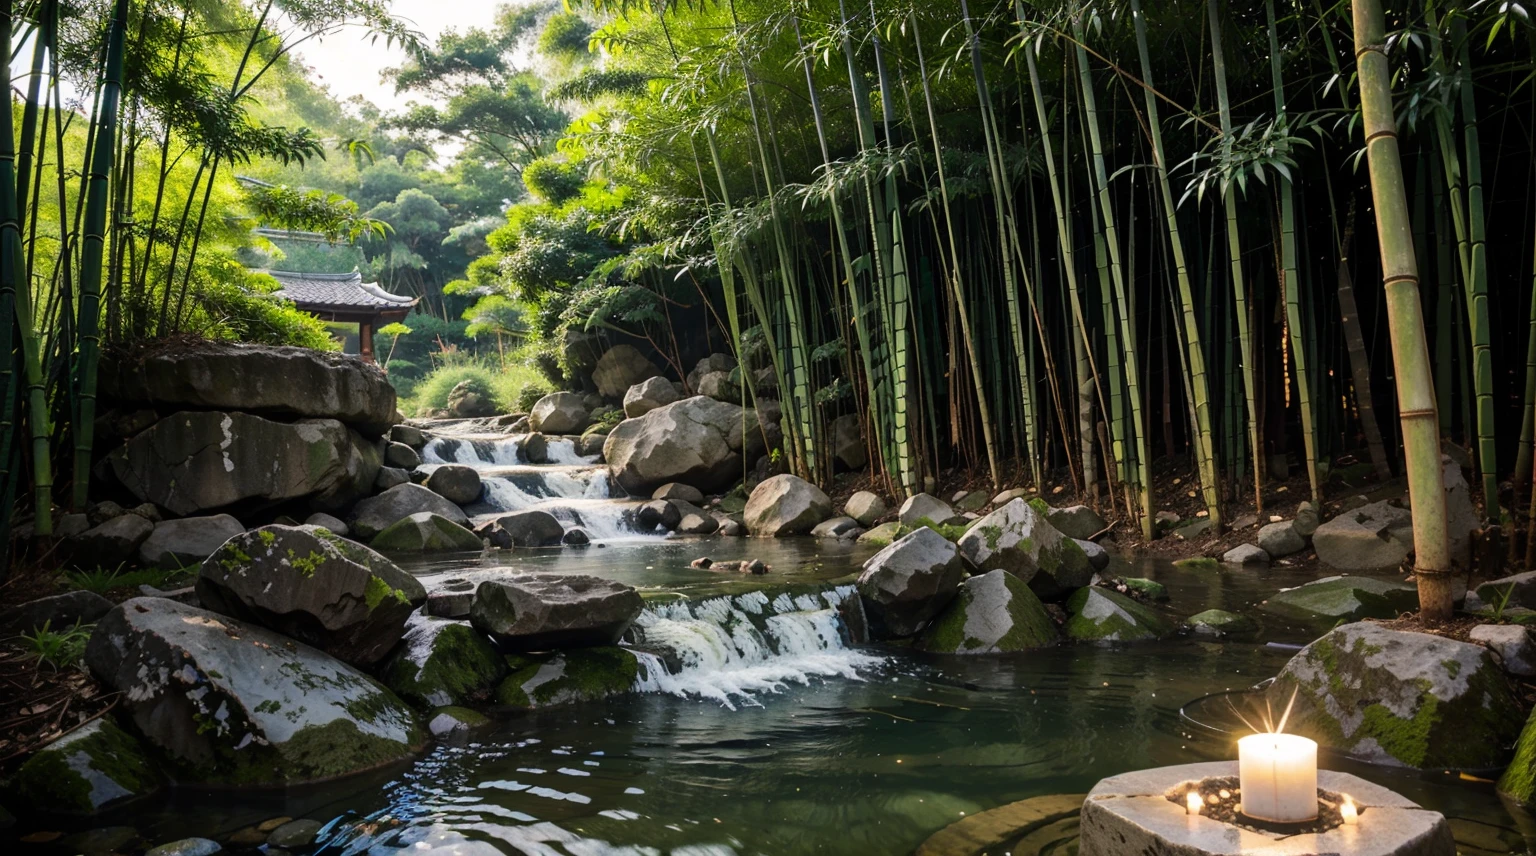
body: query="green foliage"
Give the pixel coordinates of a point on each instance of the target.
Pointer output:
(604, 421)
(503, 386)
(553, 180)
(529, 394)
(103, 581)
(58, 648)
(565, 36)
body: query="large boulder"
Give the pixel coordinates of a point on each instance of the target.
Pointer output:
(994, 613)
(567, 677)
(648, 395)
(531, 528)
(188, 541)
(279, 381)
(110, 544)
(1328, 601)
(93, 768)
(425, 532)
(559, 413)
(1461, 518)
(196, 461)
(1018, 539)
(442, 662)
(1401, 698)
(907, 584)
(538, 612)
(865, 507)
(786, 505)
(621, 368)
(848, 445)
(721, 386)
(1281, 539)
(1374, 537)
(922, 509)
(305, 582)
(457, 483)
(228, 702)
(377, 513)
(697, 441)
(1076, 521)
(1102, 616)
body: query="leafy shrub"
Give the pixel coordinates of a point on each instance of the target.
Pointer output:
(530, 394)
(604, 421)
(58, 648)
(505, 387)
(102, 581)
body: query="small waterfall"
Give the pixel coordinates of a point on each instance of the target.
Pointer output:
(474, 451)
(730, 649)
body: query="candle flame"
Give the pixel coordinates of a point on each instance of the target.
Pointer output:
(1348, 812)
(1193, 802)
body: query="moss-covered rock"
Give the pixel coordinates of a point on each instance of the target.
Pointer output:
(94, 767)
(1330, 600)
(882, 535)
(1102, 616)
(994, 613)
(231, 703)
(1148, 589)
(909, 583)
(542, 612)
(565, 677)
(1198, 563)
(425, 531)
(449, 722)
(1219, 622)
(1018, 539)
(442, 662)
(1395, 697)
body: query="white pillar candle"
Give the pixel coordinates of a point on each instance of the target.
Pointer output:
(1279, 777)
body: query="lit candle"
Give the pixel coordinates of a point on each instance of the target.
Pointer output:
(1193, 803)
(1348, 812)
(1279, 777)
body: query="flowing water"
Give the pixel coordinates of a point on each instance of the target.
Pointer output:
(756, 728)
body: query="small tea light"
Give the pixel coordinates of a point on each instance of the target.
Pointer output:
(1348, 812)
(1193, 803)
(1278, 777)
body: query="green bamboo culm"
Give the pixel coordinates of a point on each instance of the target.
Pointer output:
(1405, 315)
(93, 243)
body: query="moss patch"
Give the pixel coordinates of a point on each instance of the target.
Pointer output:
(85, 772)
(461, 665)
(577, 675)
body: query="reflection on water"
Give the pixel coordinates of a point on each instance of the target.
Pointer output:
(869, 764)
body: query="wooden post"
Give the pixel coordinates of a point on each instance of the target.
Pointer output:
(365, 340)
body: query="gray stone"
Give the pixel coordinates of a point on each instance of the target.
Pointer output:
(93, 768)
(148, 511)
(1250, 555)
(424, 532)
(531, 528)
(456, 483)
(1461, 518)
(697, 441)
(377, 513)
(286, 382)
(907, 584)
(581, 675)
(591, 445)
(697, 523)
(402, 456)
(188, 541)
(1333, 599)
(466, 401)
(1514, 591)
(848, 445)
(1401, 698)
(454, 723)
(442, 662)
(1308, 518)
(1102, 616)
(732, 528)
(326, 521)
(70, 525)
(559, 413)
(1374, 537)
(307, 583)
(865, 507)
(1131, 813)
(676, 490)
(1008, 496)
(721, 386)
(409, 435)
(534, 448)
(295, 834)
(921, 509)
(1076, 521)
(58, 612)
(708, 365)
(576, 537)
(786, 505)
(451, 598)
(537, 612)
(1017, 539)
(389, 477)
(1219, 622)
(186, 847)
(229, 702)
(882, 535)
(620, 368)
(993, 613)
(968, 501)
(658, 512)
(1098, 557)
(648, 395)
(112, 543)
(835, 527)
(1512, 643)
(1281, 539)
(1247, 520)
(100, 512)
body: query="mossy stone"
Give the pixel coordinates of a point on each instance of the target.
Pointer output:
(442, 662)
(1333, 599)
(1198, 563)
(565, 677)
(95, 767)
(994, 613)
(425, 532)
(1102, 616)
(1149, 589)
(883, 535)
(1219, 622)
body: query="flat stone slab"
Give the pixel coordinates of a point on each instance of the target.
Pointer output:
(1131, 814)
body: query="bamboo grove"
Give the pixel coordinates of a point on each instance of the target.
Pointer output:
(1064, 241)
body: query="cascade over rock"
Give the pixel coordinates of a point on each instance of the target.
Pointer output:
(538, 612)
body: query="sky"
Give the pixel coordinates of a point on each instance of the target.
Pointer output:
(350, 65)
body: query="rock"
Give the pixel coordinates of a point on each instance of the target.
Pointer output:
(388, 477)
(1461, 519)
(307, 583)
(408, 435)
(1219, 622)
(1098, 557)
(148, 511)
(835, 527)
(559, 413)
(191, 462)
(326, 521)
(658, 512)
(1334, 599)
(188, 541)
(229, 702)
(465, 401)
(732, 529)
(591, 445)
(531, 528)
(1017, 539)
(883, 534)
(1165, 520)
(93, 768)
(967, 501)
(786, 505)
(423, 532)
(695, 523)
(442, 662)
(848, 445)
(1102, 616)
(534, 448)
(696, 441)
(1197, 563)
(621, 368)
(112, 543)
(285, 382)
(1147, 589)
(674, 490)
(451, 599)
(1395, 697)
(1307, 519)
(1515, 591)
(1511, 642)
(100, 512)
(1248, 520)
(1076, 521)
(186, 847)
(58, 611)
(70, 525)
(921, 510)
(708, 365)
(537, 612)
(567, 677)
(401, 456)
(721, 386)
(295, 834)
(377, 513)
(1193, 530)
(1251, 555)
(448, 723)
(1008, 496)
(907, 584)
(865, 507)
(648, 395)
(1281, 539)
(456, 483)
(1374, 537)
(994, 613)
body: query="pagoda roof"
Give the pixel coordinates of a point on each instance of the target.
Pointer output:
(340, 293)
